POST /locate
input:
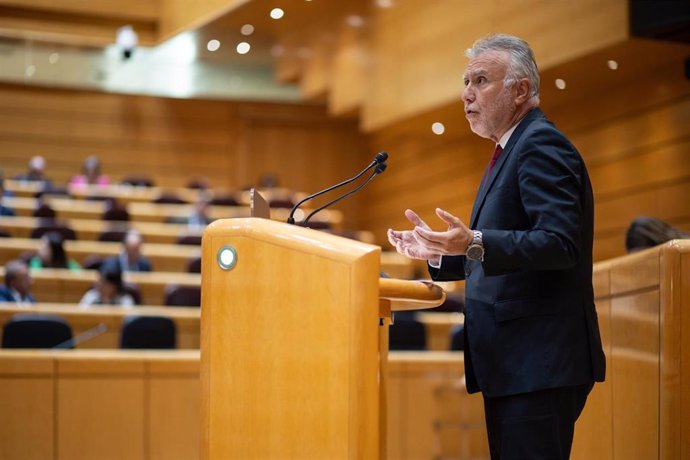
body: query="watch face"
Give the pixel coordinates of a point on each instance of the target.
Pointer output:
(475, 252)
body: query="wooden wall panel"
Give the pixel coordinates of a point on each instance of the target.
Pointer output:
(173, 141)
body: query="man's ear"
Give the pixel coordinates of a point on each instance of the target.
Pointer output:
(523, 90)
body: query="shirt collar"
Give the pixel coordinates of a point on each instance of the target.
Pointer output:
(504, 139)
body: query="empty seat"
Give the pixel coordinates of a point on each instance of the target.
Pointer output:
(182, 296)
(224, 200)
(192, 240)
(112, 235)
(35, 331)
(194, 265)
(148, 332)
(50, 225)
(168, 198)
(406, 333)
(457, 338)
(93, 262)
(138, 181)
(44, 211)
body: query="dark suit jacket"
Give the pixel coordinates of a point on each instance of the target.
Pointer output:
(530, 321)
(6, 295)
(114, 263)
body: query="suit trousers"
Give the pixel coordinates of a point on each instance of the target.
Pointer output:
(534, 426)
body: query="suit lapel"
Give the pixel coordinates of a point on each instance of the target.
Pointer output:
(488, 182)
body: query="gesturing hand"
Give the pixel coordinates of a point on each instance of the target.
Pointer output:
(407, 244)
(452, 242)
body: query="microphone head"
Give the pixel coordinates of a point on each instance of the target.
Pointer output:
(381, 167)
(381, 157)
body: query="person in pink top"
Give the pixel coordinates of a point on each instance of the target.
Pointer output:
(91, 174)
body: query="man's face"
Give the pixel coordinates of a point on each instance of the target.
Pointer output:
(489, 103)
(22, 281)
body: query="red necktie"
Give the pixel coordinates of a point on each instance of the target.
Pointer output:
(494, 157)
(497, 153)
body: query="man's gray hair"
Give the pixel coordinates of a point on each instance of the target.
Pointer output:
(522, 62)
(12, 268)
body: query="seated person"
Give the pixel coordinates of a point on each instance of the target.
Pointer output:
(17, 288)
(130, 259)
(109, 290)
(36, 172)
(4, 210)
(52, 254)
(647, 232)
(91, 174)
(199, 218)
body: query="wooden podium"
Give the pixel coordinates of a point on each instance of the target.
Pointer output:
(294, 339)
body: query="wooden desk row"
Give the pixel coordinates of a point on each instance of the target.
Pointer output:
(163, 257)
(68, 208)
(91, 229)
(64, 286)
(83, 319)
(186, 319)
(123, 405)
(134, 194)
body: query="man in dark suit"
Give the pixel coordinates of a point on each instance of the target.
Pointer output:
(17, 284)
(532, 343)
(130, 259)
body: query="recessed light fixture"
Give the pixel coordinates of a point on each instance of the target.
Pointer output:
(30, 70)
(53, 58)
(613, 65)
(247, 29)
(438, 128)
(213, 45)
(243, 47)
(355, 21)
(277, 13)
(560, 83)
(384, 3)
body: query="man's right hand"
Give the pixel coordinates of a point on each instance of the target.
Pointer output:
(409, 245)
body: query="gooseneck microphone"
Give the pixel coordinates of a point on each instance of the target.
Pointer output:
(381, 167)
(379, 160)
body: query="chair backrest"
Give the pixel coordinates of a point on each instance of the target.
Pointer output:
(138, 181)
(457, 338)
(194, 265)
(53, 226)
(182, 296)
(406, 333)
(5, 234)
(44, 211)
(224, 200)
(112, 235)
(93, 262)
(192, 240)
(133, 290)
(169, 199)
(148, 332)
(35, 331)
(116, 213)
(281, 203)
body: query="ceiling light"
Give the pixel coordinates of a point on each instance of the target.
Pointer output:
(30, 70)
(213, 45)
(277, 13)
(243, 47)
(247, 29)
(355, 21)
(613, 65)
(53, 58)
(438, 128)
(384, 3)
(560, 83)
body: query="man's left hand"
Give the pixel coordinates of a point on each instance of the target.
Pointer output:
(452, 242)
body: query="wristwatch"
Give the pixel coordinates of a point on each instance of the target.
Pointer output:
(475, 250)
